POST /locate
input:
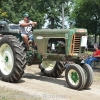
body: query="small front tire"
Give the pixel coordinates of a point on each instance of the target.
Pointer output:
(75, 76)
(88, 71)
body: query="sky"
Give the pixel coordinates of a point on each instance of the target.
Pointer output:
(47, 22)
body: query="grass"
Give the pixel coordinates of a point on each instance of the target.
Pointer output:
(89, 52)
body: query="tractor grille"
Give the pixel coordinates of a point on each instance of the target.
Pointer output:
(75, 47)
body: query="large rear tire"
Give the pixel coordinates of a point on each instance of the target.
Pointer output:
(51, 68)
(12, 59)
(75, 76)
(88, 75)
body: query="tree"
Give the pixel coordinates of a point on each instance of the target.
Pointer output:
(53, 12)
(16, 8)
(3, 14)
(39, 10)
(86, 14)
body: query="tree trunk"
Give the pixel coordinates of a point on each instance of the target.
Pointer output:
(96, 26)
(95, 38)
(52, 23)
(99, 40)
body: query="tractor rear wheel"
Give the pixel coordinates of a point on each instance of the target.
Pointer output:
(12, 59)
(51, 68)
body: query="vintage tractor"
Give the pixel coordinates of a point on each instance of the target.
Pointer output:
(55, 50)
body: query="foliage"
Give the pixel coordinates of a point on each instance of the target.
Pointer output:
(86, 14)
(3, 14)
(54, 10)
(39, 10)
(16, 8)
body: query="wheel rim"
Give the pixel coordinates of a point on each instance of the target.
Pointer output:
(6, 59)
(73, 77)
(48, 65)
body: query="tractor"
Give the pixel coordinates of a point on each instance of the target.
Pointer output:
(54, 50)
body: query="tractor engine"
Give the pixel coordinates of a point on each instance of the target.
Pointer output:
(56, 46)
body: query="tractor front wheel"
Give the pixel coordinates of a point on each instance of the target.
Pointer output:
(88, 75)
(75, 76)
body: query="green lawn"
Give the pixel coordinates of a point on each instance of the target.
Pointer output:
(89, 52)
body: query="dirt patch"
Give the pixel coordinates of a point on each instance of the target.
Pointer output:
(97, 76)
(9, 94)
(46, 88)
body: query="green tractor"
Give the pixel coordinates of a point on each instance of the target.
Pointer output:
(56, 50)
